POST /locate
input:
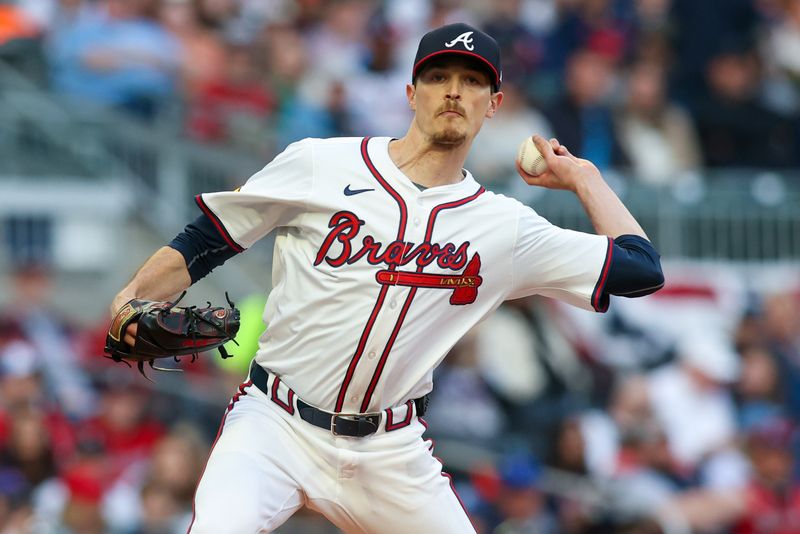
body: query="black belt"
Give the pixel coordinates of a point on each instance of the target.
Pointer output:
(353, 425)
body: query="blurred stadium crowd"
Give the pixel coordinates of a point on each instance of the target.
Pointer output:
(657, 86)
(677, 414)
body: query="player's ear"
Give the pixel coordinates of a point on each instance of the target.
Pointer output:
(494, 104)
(411, 96)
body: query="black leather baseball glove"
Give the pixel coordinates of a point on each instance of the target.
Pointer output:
(165, 330)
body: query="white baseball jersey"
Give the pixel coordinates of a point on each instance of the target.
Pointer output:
(374, 280)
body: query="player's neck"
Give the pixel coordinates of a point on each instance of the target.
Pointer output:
(427, 164)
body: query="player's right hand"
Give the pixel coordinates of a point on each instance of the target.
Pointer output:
(130, 334)
(564, 171)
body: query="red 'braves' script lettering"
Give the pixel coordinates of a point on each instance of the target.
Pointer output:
(345, 227)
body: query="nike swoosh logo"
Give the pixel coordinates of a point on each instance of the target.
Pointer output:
(350, 192)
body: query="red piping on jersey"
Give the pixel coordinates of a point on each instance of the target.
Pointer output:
(218, 223)
(432, 441)
(446, 475)
(385, 355)
(289, 407)
(401, 227)
(453, 488)
(401, 230)
(216, 439)
(597, 294)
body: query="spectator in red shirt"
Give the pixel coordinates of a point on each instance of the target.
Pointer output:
(234, 108)
(772, 497)
(123, 427)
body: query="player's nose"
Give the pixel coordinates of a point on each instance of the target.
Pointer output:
(453, 89)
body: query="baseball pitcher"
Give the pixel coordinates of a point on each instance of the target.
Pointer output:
(387, 251)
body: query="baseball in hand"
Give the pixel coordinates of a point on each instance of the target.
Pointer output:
(529, 158)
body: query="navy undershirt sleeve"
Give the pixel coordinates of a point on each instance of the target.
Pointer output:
(202, 246)
(635, 268)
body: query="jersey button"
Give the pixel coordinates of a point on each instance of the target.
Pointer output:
(371, 354)
(354, 398)
(393, 304)
(416, 221)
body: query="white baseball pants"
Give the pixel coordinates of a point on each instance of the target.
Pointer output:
(266, 464)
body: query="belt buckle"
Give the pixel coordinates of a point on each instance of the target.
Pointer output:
(355, 417)
(349, 416)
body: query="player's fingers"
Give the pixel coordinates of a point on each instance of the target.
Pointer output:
(531, 179)
(545, 149)
(525, 176)
(130, 334)
(563, 151)
(522, 173)
(555, 144)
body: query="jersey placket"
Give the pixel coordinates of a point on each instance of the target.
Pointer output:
(390, 321)
(386, 321)
(381, 321)
(423, 234)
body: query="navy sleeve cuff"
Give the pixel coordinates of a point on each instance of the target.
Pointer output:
(635, 269)
(203, 247)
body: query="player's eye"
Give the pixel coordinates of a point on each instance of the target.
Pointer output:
(475, 80)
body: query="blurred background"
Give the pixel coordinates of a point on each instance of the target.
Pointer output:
(675, 413)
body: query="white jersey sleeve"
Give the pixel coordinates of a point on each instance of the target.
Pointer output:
(563, 264)
(272, 197)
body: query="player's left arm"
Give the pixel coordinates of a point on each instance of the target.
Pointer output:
(190, 256)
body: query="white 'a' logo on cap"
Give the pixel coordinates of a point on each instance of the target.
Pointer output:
(465, 38)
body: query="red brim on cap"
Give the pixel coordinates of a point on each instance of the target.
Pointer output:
(495, 81)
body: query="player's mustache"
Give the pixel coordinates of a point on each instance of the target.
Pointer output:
(452, 107)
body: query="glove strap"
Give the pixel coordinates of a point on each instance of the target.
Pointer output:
(124, 316)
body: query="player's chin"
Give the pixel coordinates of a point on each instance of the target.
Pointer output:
(450, 137)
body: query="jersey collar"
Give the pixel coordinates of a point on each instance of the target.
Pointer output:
(378, 149)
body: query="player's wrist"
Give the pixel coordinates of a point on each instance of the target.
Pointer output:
(588, 183)
(119, 301)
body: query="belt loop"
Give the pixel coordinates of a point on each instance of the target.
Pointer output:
(391, 425)
(287, 405)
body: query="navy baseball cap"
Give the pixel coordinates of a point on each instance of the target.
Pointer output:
(462, 39)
